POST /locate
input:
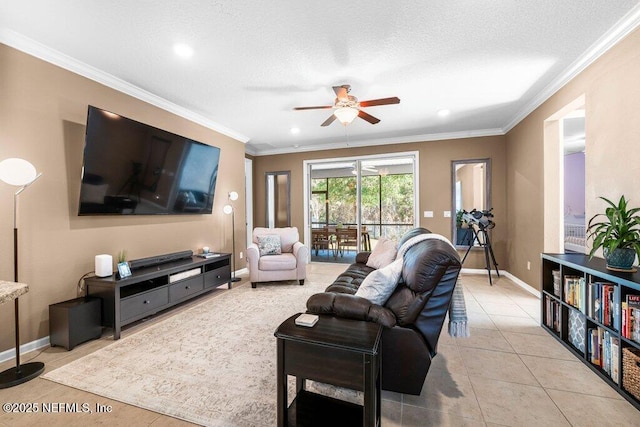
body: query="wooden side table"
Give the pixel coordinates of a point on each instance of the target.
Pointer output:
(341, 352)
(22, 372)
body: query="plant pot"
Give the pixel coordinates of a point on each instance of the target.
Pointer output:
(621, 259)
(464, 236)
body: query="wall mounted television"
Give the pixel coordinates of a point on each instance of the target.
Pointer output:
(131, 168)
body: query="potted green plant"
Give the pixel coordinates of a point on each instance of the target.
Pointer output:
(618, 235)
(463, 232)
(459, 214)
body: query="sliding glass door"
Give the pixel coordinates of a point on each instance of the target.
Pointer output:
(353, 202)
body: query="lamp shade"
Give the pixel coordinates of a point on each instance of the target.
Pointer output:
(346, 114)
(233, 196)
(17, 172)
(227, 209)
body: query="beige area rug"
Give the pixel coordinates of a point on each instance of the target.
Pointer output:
(213, 364)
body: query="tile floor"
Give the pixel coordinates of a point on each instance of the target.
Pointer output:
(510, 372)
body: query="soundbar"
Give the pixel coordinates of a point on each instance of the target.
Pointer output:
(159, 259)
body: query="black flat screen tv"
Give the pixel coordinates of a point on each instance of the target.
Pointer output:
(131, 168)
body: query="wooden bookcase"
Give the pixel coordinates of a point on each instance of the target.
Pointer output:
(575, 313)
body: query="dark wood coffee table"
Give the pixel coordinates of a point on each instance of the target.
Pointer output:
(341, 352)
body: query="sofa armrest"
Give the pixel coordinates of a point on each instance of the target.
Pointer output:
(350, 307)
(253, 256)
(301, 252)
(362, 257)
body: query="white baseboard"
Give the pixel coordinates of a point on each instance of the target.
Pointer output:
(524, 285)
(241, 271)
(506, 274)
(24, 348)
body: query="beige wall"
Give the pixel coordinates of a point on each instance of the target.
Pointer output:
(435, 183)
(612, 101)
(42, 119)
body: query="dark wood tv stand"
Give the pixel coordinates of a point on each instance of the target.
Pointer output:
(152, 289)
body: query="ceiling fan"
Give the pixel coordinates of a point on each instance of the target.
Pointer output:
(347, 107)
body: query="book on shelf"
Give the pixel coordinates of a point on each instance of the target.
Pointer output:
(556, 282)
(607, 304)
(634, 324)
(602, 304)
(596, 302)
(615, 318)
(596, 345)
(615, 360)
(590, 299)
(574, 291)
(631, 318)
(552, 314)
(625, 320)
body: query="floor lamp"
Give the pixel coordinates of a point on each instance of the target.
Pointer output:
(20, 173)
(228, 209)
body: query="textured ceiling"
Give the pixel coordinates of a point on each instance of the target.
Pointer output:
(486, 61)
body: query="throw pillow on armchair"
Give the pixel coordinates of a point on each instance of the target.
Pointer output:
(269, 244)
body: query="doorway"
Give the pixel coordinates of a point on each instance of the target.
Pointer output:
(564, 190)
(573, 177)
(353, 202)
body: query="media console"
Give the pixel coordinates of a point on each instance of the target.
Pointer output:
(155, 288)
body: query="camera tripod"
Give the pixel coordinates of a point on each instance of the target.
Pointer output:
(485, 243)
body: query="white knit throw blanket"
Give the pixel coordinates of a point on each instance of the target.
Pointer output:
(458, 322)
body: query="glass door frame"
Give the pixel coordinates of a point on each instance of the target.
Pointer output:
(307, 167)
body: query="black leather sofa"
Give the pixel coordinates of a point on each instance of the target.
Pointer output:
(412, 317)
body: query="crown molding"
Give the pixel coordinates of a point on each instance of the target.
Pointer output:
(40, 51)
(625, 25)
(382, 141)
(248, 149)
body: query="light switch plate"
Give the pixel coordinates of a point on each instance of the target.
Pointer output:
(447, 214)
(428, 214)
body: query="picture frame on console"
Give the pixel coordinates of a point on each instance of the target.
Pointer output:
(124, 270)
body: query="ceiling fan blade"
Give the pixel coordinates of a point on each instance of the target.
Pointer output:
(320, 107)
(342, 92)
(368, 117)
(329, 120)
(381, 101)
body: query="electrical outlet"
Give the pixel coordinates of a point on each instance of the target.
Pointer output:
(447, 214)
(528, 265)
(428, 214)
(240, 255)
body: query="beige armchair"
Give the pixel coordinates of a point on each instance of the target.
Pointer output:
(289, 264)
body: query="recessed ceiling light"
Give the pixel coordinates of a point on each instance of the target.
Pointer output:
(295, 130)
(443, 112)
(183, 50)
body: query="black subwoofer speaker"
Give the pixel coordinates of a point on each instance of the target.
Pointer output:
(75, 321)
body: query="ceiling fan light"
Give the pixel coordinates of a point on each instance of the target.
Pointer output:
(443, 112)
(346, 114)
